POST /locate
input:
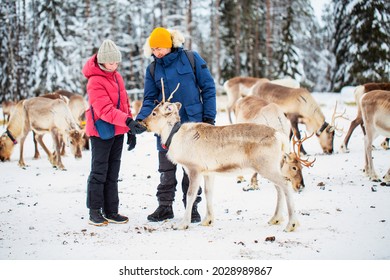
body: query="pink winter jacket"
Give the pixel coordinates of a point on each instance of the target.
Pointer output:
(102, 90)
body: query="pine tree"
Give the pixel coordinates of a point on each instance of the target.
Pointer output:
(370, 40)
(361, 50)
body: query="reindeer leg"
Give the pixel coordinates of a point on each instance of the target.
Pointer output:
(354, 124)
(36, 152)
(386, 178)
(277, 218)
(293, 222)
(21, 160)
(194, 178)
(56, 140)
(62, 146)
(369, 167)
(208, 189)
(39, 139)
(294, 129)
(254, 185)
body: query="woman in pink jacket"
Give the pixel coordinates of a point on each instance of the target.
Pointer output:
(109, 103)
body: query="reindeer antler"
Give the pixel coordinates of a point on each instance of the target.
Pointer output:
(299, 142)
(336, 116)
(177, 87)
(163, 91)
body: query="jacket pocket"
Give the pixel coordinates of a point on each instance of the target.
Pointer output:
(184, 69)
(194, 112)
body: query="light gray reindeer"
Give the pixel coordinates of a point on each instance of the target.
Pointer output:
(204, 149)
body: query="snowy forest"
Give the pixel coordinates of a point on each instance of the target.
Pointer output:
(44, 43)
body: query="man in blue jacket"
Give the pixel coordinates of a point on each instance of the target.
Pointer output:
(197, 95)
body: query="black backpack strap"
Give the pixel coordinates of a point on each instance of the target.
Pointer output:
(152, 67)
(191, 58)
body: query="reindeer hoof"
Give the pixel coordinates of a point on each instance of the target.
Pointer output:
(291, 226)
(182, 227)
(275, 221)
(207, 223)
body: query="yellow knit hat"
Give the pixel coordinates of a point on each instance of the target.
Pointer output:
(160, 38)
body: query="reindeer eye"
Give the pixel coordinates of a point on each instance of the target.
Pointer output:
(153, 113)
(294, 168)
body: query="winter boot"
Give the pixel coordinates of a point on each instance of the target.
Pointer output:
(163, 212)
(195, 217)
(96, 218)
(116, 218)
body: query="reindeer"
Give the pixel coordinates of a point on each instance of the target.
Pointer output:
(243, 86)
(204, 149)
(253, 109)
(7, 106)
(375, 109)
(239, 87)
(299, 102)
(358, 93)
(40, 115)
(77, 106)
(136, 107)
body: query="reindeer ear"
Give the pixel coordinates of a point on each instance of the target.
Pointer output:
(178, 105)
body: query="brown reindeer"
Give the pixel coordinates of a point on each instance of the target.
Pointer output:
(77, 106)
(204, 149)
(375, 108)
(299, 102)
(243, 86)
(358, 93)
(41, 116)
(253, 109)
(239, 87)
(136, 107)
(7, 106)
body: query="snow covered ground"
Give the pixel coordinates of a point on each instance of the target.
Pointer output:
(43, 215)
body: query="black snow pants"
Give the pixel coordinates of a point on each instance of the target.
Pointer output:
(167, 187)
(102, 190)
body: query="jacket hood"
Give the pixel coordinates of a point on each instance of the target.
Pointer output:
(91, 68)
(177, 42)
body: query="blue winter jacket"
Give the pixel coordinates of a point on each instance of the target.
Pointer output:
(196, 93)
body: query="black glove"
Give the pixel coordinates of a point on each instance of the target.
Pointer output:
(209, 121)
(135, 127)
(131, 141)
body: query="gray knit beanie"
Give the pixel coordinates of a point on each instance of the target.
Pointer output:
(108, 52)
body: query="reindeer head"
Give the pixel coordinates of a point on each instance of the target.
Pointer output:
(77, 142)
(165, 114)
(292, 170)
(326, 136)
(292, 164)
(6, 147)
